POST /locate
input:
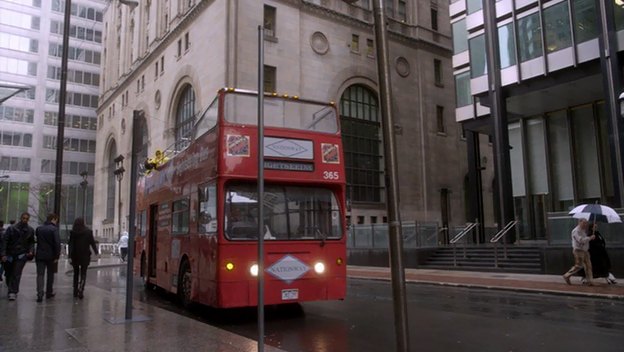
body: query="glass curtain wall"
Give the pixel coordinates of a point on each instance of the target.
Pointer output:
(558, 161)
(478, 60)
(506, 45)
(585, 18)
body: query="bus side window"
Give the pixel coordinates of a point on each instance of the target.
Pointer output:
(207, 217)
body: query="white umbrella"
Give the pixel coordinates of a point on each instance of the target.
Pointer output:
(595, 212)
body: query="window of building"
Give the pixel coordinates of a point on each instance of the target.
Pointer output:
(185, 117)
(370, 48)
(162, 65)
(460, 37)
(402, 11)
(110, 197)
(187, 42)
(179, 48)
(269, 21)
(270, 78)
(557, 27)
(585, 26)
(18, 194)
(142, 83)
(373, 219)
(360, 220)
(529, 37)
(473, 6)
(437, 72)
(618, 14)
(355, 43)
(463, 95)
(361, 136)
(434, 19)
(478, 60)
(156, 70)
(507, 46)
(389, 4)
(440, 119)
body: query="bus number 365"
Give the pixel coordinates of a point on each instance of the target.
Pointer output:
(331, 175)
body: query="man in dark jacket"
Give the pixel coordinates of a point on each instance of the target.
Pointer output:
(47, 255)
(17, 248)
(1, 236)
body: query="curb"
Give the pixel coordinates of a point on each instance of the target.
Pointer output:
(500, 288)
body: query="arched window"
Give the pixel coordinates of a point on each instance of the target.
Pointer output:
(185, 117)
(359, 118)
(110, 188)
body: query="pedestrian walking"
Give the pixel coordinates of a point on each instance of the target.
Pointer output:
(80, 239)
(16, 249)
(600, 261)
(123, 245)
(580, 250)
(47, 255)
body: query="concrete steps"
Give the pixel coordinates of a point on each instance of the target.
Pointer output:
(519, 259)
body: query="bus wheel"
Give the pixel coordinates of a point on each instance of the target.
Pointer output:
(185, 284)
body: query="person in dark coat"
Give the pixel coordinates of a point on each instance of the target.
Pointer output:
(601, 264)
(80, 238)
(47, 254)
(16, 249)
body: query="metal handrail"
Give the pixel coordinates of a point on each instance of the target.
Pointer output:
(500, 234)
(459, 236)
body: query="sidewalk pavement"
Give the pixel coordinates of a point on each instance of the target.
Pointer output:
(97, 322)
(551, 284)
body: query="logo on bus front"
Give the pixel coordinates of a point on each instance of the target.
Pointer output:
(330, 153)
(237, 145)
(288, 269)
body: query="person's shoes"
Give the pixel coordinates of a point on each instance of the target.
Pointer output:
(39, 298)
(611, 279)
(12, 296)
(567, 279)
(583, 281)
(50, 295)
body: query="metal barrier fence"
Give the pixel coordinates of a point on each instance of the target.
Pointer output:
(103, 248)
(560, 226)
(415, 235)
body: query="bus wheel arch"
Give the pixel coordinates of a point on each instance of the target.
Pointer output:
(185, 283)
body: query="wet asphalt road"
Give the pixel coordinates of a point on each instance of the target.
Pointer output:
(440, 319)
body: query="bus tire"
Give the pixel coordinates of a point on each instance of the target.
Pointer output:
(185, 282)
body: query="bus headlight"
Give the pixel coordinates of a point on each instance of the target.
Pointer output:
(229, 266)
(319, 268)
(253, 270)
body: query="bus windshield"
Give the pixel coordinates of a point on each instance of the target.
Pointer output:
(290, 213)
(281, 112)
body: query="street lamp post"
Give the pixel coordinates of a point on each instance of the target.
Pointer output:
(119, 172)
(395, 237)
(84, 183)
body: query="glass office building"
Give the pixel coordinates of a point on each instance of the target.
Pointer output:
(31, 37)
(559, 88)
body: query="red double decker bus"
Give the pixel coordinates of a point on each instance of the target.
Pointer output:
(197, 213)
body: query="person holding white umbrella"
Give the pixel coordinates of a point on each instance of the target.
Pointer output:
(580, 249)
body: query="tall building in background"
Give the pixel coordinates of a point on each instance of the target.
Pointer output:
(559, 73)
(31, 34)
(167, 59)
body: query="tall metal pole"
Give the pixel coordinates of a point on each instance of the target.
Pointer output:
(392, 182)
(119, 204)
(260, 188)
(136, 136)
(612, 85)
(498, 113)
(60, 131)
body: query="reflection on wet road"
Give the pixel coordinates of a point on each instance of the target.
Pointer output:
(441, 318)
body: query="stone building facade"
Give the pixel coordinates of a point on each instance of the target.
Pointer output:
(168, 59)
